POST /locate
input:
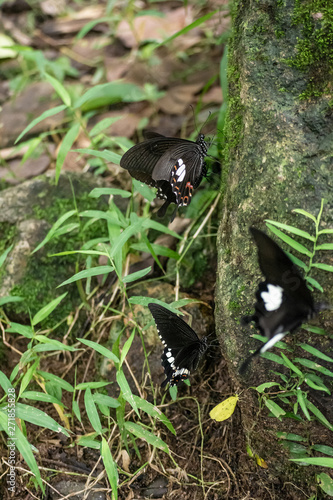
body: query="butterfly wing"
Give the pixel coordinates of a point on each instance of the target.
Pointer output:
(182, 347)
(279, 270)
(283, 299)
(174, 166)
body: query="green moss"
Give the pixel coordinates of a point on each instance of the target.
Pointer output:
(234, 306)
(314, 49)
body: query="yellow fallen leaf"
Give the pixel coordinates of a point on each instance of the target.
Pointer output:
(224, 410)
(261, 462)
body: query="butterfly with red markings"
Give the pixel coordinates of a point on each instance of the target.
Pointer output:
(174, 166)
(182, 347)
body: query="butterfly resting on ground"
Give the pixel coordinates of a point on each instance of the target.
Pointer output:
(174, 166)
(182, 347)
(283, 299)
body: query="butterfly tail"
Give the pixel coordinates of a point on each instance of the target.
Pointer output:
(162, 211)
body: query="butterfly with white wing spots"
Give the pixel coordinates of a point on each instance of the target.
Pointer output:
(182, 347)
(174, 166)
(283, 299)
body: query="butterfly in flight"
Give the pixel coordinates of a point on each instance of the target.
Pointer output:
(182, 347)
(174, 166)
(283, 299)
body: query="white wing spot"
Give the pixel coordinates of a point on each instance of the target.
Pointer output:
(168, 354)
(171, 360)
(273, 297)
(180, 173)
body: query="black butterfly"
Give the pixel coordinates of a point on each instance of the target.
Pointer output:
(183, 348)
(283, 299)
(174, 166)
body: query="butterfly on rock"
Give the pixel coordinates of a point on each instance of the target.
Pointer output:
(174, 166)
(284, 301)
(182, 347)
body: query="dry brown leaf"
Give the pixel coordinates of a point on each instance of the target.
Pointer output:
(214, 94)
(16, 172)
(153, 27)
(177, 99)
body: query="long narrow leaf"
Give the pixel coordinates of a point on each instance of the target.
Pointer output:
(65, 147)
(101, 349)
(143, 433)
(38, 417)
(92, 412)
(60, 89)
(43, 116)
(126, 391)
(88, 273)
(47, 310)
(54, 228)
(294, 244)
(110, 467)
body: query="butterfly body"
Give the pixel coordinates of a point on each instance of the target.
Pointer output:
(174, 166)
(283, 300)
(182, 347)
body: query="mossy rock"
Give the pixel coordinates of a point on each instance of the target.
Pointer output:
(27, 212)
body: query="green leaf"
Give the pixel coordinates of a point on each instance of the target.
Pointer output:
(142, 433)
(319, 415)
(103, 124)
(87, 273)
(26, 331)
(307, 214)
(291, 365)
(60, 89)
(325, 231)
(101, 349)
(43, 116)
(4, 255)
(297, 261)
(291, 229)
(65, 147)
(91, 385)
(322, 448)
(314, 283)
(41, 396)
(261, 388)
(303, 402)
(54, 229)
(146, 192)
(56, 380)
(126, 347)
(88, 442)
(294, 244)
(108, 156)
(313, 366)
(290, 437)
(316, 352)
(318, 387)
(92, 412)
(97, 192)
(274, 408)
(110, 467)
(55, 343)
(109, 93)
(158, 249)
(273, 357)
(324, 267)
(126, 391)
(321, 461)
(10, 299)
(326, 483)
(102, 399)
(39, 418)
(76, 410)
(314, 329)
(325, 246)
(24, 447)
(47, 310)
(5, 383)
(136, 276)
(154, 412)
(152, 224)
